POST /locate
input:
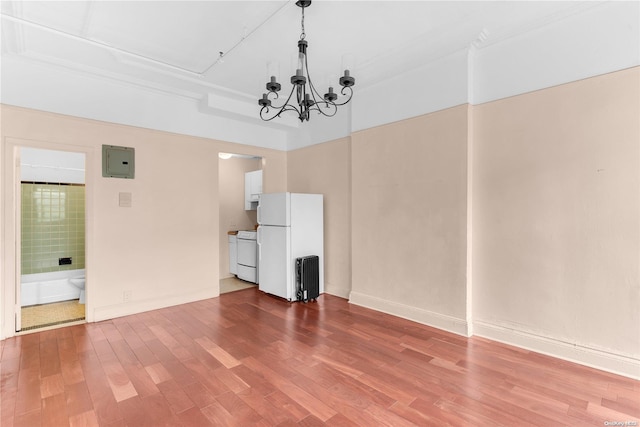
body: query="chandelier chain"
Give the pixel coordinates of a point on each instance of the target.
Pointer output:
(303, 34)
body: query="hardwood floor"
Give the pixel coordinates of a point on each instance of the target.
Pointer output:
(247, 358)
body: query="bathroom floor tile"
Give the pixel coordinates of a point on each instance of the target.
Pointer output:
(38, 316)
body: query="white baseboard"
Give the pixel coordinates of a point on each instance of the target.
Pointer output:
(606, 361)
(337, 291)
(426, 317)
(135, 307)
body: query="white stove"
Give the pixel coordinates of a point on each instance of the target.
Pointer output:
(247, 256)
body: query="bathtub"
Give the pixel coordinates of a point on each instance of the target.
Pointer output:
(43, 288)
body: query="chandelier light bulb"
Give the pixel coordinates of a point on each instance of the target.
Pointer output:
(347, 62)
(273, 70)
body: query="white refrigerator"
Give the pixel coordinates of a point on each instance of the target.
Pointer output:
(290, 226)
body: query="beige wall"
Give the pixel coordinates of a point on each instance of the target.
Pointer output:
(409, 209)
(550, 203)
(556, 225)
(165, 248)
(325, 169)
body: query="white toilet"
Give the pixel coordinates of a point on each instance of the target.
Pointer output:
(79, 283)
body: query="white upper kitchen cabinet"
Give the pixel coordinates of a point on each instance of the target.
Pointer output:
(252, 189)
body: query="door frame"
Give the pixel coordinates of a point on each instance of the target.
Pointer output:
(10, 246)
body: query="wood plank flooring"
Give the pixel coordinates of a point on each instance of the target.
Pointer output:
(249, 359)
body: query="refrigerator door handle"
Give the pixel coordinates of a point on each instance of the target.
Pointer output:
(258, 212)
(259, 242)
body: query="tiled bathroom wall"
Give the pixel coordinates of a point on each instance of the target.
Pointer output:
(53, 226)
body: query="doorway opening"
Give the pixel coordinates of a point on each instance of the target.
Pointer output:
(240, 183)
(51, 216)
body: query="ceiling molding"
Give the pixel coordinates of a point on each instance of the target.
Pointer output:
(13, 35)
(103, 45)
(88, 16)
(419, 53)
(504, 33)
(98, 73)
(199, 80)
(18, 46)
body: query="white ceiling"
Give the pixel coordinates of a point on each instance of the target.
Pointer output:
(176, 45)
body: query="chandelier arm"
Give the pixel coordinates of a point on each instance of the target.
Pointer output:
(285, 107)
(332, 111)
(316, 95)
(290, 107)
(348, 96)
(315, 92)
(328, 104)
(287, 100)
(312, 88)
(264, 111)
(262, 114)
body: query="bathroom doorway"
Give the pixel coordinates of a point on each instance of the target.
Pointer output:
(52, 215)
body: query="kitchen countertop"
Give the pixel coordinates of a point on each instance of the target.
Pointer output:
(234, 232)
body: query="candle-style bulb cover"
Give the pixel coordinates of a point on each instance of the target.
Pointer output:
(308, 101)
(299, 78)
(331, 95)
(347, 80)
(264, 101)
(273, 85)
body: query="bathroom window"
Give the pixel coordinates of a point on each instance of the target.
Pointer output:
(49, 204)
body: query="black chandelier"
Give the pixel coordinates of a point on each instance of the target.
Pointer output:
(307, 97)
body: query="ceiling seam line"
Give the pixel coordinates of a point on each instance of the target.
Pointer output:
(243, 38)
(96, 42)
